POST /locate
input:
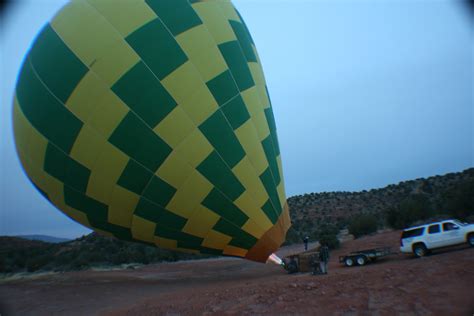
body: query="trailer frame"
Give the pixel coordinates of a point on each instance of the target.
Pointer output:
(362, 257)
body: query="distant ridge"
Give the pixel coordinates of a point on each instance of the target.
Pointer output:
(45, 238)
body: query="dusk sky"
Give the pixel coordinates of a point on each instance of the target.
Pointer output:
(365, 94)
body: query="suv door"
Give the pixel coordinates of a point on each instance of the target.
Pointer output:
(434, 238)
(452, 234)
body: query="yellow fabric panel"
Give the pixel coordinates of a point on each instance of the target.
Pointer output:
(252, 101)
(281, 192)
(100, 188)
(194, 148)
(201, 222)
(218, 26)
(185, 76)
(254, 229)
(175, 127)
(87, 147)
(200, 105)
(245, 172)
(216, 240)
(108, 114)
(189, 195)
(248, 138)
(110, 163)
(252, 208)
(54, 188)
(166, 243)
(143, 229)
(125, 15)
(122, 204)
(229, 12)
(257, 74)
(84, 97)
(199, 46)
(103, 232)
(235, 251)
(95, 42)
(175, 170)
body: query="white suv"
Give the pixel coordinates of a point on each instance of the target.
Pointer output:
(421, 239)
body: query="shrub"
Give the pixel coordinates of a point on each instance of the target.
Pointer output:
(412, 209)
(363, 225)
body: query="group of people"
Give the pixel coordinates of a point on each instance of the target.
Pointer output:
(323, 257)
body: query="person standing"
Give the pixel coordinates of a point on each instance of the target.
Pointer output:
(323, 258)
(306, 240)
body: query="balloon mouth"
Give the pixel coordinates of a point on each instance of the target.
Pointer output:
(273, 258)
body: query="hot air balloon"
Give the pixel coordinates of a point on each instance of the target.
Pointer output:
(150, 121)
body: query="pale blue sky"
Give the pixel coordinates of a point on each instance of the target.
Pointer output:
(365, 93)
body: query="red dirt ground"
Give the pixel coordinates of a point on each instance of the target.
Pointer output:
(436, 285)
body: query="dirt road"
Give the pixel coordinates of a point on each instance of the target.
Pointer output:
(436, 285)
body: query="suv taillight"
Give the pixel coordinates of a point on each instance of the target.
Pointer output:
(401, 241)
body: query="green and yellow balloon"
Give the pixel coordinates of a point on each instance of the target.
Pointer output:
(150, 121)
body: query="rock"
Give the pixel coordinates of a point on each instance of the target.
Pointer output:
(293, 285)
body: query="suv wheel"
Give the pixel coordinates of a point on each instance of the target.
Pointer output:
(470, 240)
(349, 262)
(420, 250)
(361, 260)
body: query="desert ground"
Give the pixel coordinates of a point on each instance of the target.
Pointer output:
(440, 284)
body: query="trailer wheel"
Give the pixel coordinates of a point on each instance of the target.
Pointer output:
(361, 260)
(292, 267)
(349, 262)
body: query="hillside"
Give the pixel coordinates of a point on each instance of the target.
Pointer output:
(44, 238)
(439, 195)
(93, 250)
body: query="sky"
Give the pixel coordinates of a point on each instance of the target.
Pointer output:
(365, 93)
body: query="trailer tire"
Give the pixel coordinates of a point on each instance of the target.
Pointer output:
(349, 261)
(470, 239)
(361, 260)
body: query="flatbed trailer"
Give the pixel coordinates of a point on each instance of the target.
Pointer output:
(361, 257)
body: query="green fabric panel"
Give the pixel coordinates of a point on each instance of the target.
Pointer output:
(116, 230)
(134, 177)
(249, 36)
(65, 169)
(220, 134)
(236, 112)
(240, 238)
(56, 65)
(223, 87)
(271, 158)
(177, 15)
(157, 48)
(272, 126)
(159, 192)
(159, 215)
(245, 43)
(51, 118)
(237, 63)
(269, 210)
(95, 210)
(137, 140)
(144, 94)
(184, 240)
(214, 169)
(210, 251)
(219, 204)
(267, 180)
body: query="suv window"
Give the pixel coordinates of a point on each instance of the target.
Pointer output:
(413, 232)
(433, 229)
(449, 226)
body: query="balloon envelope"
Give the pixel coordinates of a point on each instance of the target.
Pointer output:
(150, 121)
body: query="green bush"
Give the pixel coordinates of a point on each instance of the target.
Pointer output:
(459, 200)
(415, 208)
(363, 225)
